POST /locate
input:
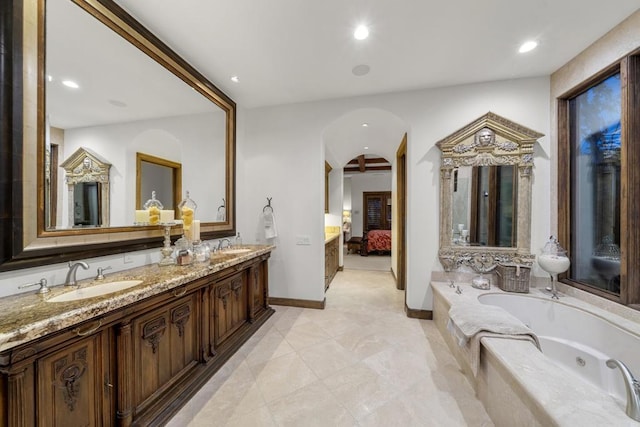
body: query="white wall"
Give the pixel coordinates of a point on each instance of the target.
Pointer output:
(283, 156)
(196, 141)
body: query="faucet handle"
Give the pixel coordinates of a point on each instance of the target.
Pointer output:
(101, 270)
(42, 283)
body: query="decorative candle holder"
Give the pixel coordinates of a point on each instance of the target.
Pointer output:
(166, 250)
(187, 208)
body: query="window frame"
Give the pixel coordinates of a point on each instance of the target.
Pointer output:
(629, 69)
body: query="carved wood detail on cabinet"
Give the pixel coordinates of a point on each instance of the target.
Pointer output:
(153, 331)
(70, 385)
(142, 362)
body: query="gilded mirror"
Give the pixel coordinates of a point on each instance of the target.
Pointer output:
(485, 194)
(109, 122)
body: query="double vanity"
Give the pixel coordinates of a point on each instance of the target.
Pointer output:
(129, 349)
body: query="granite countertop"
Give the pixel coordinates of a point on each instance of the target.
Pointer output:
(28, 316)
(330, 236)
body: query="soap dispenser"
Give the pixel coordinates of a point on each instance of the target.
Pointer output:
(238, 242)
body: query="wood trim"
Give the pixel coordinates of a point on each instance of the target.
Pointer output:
(327, 170)
(630, 181)
(629, 68)
(11, 125)
(401, 212)
(302, 303)
(418, 314)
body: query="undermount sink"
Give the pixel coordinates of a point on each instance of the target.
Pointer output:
(236, 251)
(95, 291)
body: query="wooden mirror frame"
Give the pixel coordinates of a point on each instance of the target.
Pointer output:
(512, 145)
(176, 172)
(25, 242)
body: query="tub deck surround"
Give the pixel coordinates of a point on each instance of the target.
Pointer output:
(29, 316)
(520, 385)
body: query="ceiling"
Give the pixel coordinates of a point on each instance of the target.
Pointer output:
(290, 51)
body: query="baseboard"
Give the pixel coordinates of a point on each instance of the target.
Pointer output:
(418, 314)
(302, 303)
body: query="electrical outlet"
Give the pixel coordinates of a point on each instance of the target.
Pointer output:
(303, 240)
(127, 259)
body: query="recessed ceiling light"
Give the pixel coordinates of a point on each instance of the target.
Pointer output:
(361, 70)
(366, 148)
(235, 79)
(365, 125)
(70, 83)
(50, 78)
(361, 33)
(528, 46)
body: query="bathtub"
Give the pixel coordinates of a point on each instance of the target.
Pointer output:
(567, 384)
(576, 339)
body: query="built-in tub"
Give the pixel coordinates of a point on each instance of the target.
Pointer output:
(575, 338)
(520, 385)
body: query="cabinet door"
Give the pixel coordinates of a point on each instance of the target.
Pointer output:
(165, 347)
(74, 388)
(230, 306)
(258, 285)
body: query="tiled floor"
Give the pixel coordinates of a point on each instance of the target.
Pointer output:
(359, 362)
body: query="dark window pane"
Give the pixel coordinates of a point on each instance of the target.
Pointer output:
(595, 185)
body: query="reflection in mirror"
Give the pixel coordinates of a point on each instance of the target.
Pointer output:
(87, 208)
(160, 175)
(485, 194)
(81, 41)
(87, 175)
(492, 206)
(116, 100)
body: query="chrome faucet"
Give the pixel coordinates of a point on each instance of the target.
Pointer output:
(71, 274)
(632, 387)
(222, 240)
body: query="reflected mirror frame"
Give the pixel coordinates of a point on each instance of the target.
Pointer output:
(22, 143)
(512, 145)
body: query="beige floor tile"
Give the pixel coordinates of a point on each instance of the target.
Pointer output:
(359, 362)
(327, 357)
(311, 406)
(282, 375)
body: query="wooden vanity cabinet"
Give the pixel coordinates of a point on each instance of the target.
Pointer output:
(136, 365)
(165, 348)
(64, 379)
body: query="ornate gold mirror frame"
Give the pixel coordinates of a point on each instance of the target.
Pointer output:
(491, 140)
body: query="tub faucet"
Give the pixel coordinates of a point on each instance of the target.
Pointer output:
(71, 274)
(631, 385)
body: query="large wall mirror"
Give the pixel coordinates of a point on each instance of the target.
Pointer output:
(91, 77)
(485, 194)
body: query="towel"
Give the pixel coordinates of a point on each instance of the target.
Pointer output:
(469, 323)
(222, 214)
(270, 230)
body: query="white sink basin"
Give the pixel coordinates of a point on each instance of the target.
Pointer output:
(236, 251)
(95, 291)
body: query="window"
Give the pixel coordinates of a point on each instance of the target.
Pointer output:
(599, 182)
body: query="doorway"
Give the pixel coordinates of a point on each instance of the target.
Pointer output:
(401, 214)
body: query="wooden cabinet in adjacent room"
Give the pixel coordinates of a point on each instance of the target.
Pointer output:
(331, 261)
